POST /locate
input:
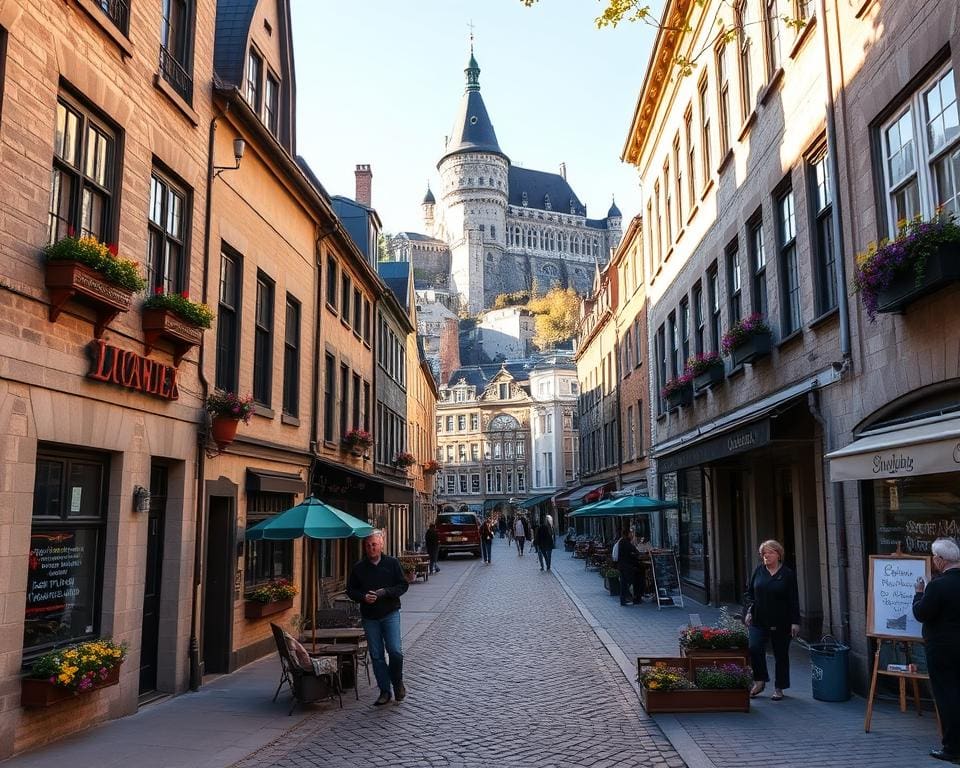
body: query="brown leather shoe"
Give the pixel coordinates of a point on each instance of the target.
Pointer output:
(399, 692)
(383, 698)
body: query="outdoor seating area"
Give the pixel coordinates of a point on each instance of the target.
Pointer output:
(309, 677)
(419, 562)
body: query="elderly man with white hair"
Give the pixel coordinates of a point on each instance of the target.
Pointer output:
(377, 582)
(937, 605)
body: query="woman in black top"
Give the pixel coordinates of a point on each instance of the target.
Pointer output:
(773, 612)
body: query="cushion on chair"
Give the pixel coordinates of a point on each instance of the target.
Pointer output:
(324, 665)
(298, 653)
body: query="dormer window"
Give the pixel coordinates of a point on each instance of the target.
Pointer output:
(504, 391)
(254, 74)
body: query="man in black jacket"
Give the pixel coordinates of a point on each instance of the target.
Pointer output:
(628, 564)
(377, 582)
(937, 605)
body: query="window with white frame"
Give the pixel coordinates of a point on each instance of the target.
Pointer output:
(772, 23)
(758, 263)
(825, 250)
(789, 269)
(921, 153)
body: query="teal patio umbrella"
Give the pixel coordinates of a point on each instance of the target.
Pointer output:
(313, 519)
(628, 505)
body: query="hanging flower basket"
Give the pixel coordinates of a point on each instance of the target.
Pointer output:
(227, 410)
(921, 259)
(431, 467)
(358, 441)
(748, 340)
(223, 430)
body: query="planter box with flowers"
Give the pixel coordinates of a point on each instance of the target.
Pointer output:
(924, 256)
(409, 568)
(431, 467)
(274, 596)
(706, 368)
(748, 340)
(72, 671)
(729, 639)
(678, 391)
(680, 684)
(84, 269)
(173, 318)
(358, 441)
(405, 460)
(611, 579)
(227, 410)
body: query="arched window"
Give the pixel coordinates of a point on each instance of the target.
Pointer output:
(517, 236)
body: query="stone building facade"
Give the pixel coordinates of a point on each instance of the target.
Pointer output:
(758, 202)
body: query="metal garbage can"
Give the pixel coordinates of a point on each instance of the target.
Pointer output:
(829, 662)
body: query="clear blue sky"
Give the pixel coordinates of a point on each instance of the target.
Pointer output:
(379, 82)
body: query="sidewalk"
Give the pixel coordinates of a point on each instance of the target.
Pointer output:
(798, 731)
(232, 715)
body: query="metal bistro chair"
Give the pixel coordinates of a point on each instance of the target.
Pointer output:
(305, 686)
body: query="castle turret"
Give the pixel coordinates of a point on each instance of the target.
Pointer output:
(614, 226)
(474, 182)
(429, 202)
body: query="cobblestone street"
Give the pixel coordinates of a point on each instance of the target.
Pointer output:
(508, 675)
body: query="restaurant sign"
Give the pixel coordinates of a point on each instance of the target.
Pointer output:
(748, 438)
(128, 369)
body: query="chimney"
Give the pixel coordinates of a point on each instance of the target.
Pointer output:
(449, 349)
(364, 178)
(563, 170)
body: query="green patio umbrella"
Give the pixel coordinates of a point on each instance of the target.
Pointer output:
(315, 520)
(589, 510)
(629, 505)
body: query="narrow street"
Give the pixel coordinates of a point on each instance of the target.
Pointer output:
(508, 675)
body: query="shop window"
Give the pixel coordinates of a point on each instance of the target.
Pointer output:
(65, 566)
(266, 560)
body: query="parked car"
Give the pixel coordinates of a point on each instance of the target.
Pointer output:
(458, 532)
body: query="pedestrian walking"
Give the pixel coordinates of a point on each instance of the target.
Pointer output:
(543, 538)
(519, 534)
(431, 540)
(502, 526)
(628, 565)
(937, 605)
(376, 583)
(773, 613)
(486, 539)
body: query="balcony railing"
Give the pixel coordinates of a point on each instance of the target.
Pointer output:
(175, 74)
(117, 11)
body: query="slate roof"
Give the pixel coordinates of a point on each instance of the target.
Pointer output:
(472, 130)
(539, 184)
(429, 199)
(417, 237)
(597, 223)
(396, 275)
(614, 211)
(232, 32)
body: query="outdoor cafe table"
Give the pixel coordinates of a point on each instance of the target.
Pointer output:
(342, 642)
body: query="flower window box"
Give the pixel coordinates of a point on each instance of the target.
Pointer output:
(682, 395)
(253, 609)
(36, 694)
(71, 280)
(942, 268)
(72, 671)
(162, 325)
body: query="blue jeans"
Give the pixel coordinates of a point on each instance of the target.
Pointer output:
(385, 634)
(486, 547)
(780, 640)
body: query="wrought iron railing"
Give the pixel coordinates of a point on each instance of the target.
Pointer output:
(118, 12)
(175, 74)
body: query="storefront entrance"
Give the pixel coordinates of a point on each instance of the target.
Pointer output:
(150, 630)
(218, 584)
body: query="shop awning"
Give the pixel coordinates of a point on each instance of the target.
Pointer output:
(921, 449)
(579, 496)
(269, 481)
(532, 502)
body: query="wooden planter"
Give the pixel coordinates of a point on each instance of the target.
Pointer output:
(943, 267)
(162, 325)
(739, 655)
(255, 610)
(36, 693)
(713, 375)
(68, 280)
(223, 430)
(695, 700)
(681, 396)
(753, 348)
(692, 699)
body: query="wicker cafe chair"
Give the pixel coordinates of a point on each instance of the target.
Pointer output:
(305, 687)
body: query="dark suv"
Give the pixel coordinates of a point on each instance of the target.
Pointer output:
(458, 532)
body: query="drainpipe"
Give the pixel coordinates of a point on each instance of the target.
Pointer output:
(194, 654)
(841, 276)
(840, 525)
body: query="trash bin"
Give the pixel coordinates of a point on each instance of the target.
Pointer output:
(828, 669)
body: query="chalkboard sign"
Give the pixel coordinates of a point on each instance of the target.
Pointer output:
(666, 579)
(890, 592)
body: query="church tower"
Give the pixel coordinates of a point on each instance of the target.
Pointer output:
(429, 203)
(474, 187)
